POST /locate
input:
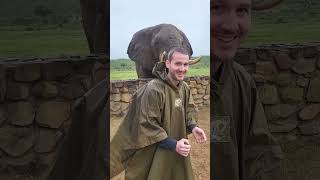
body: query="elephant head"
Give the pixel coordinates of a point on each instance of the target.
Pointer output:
(147, 45)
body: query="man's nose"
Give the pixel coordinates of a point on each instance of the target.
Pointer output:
(229, 23)
(183, 68)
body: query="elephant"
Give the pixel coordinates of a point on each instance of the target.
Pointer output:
(148, 44)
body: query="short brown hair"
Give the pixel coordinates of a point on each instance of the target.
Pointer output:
(179, 50)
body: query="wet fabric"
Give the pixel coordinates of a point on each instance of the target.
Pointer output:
(170, 143)
(158, 110)
(83, 154)
(242, 148)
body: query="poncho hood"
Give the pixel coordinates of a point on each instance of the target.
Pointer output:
(160, 71)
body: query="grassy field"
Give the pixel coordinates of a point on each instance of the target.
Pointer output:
(122, 75)
(266, 34)
(51, 42)
(125, 69)
(16, 42)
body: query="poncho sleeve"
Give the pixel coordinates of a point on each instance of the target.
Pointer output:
(263, 154)
(192, 111)
(142, 125)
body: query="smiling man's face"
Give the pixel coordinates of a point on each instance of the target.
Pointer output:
(230, 23)
(177, 66)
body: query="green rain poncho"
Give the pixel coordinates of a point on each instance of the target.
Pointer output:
(241, 146)
(158, 110)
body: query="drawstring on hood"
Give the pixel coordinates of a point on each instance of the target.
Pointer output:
(160, 71)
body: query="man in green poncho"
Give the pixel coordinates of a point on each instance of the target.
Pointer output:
(151, 143)
(242, 148)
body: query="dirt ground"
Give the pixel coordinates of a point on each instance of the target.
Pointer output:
(200, 153)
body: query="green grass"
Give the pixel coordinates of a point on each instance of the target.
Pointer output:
(43, 43)
(124, 75)
(122, 65)
(122, 69)
(266, 34)
(51, 42)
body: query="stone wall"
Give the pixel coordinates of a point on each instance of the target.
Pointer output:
(288, 83)
(36, 104)
(122, 91)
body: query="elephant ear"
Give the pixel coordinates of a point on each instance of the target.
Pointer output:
(185, 43)
(139, 46)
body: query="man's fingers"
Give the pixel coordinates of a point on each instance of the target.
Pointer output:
(199, 135)
(185, 149)
(204, 137)
(201, 139)
(186, 141)
(186, 146)
(185, 154)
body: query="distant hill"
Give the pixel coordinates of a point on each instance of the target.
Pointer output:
(25, 8)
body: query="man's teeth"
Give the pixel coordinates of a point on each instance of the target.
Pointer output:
(227, 39)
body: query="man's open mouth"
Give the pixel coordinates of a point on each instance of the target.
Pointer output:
(226, 39)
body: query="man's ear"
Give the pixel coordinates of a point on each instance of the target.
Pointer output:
(167, 63)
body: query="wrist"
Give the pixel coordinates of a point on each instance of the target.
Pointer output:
(168, 143)
(194, 129)
(192, 126)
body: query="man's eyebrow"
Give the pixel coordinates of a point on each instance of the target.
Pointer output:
(245, 5)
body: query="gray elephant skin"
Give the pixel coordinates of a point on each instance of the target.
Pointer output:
(147, 44)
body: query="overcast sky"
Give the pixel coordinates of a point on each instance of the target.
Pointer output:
(130, 16)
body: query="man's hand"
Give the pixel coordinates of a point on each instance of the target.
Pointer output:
(183, 147)
(199, 134)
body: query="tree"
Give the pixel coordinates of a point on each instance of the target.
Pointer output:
(94, 21)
